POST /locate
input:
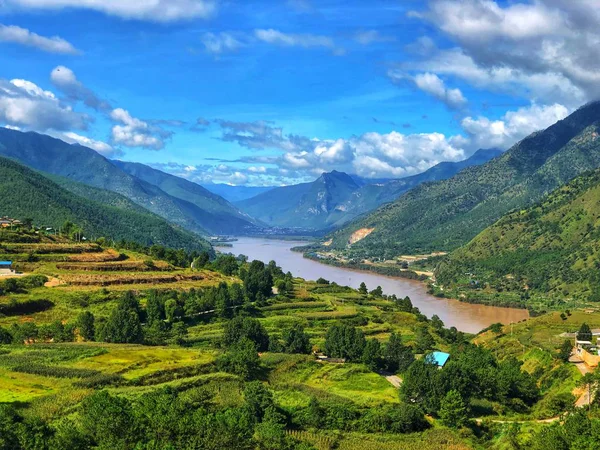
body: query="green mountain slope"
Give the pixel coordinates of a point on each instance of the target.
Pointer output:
(86, 166)
(214, 212)
(26, 193)
(552, 247)
(446, 214)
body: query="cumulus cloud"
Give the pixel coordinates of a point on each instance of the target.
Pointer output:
(133, 132)
(220, 43)
(24, 104)
(18, 35)
(513, 126)
(101, 147)
(148, 10)
(433, 85)
(64, 79)
(546, 48)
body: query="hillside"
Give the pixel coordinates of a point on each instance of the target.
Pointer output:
(27, 194)
(336, 198)
(236, 193)
(214, 212)
(312, 205)
(86, 166)
(552, 247)
(446, 214)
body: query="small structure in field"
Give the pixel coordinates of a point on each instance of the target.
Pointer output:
(6, 268)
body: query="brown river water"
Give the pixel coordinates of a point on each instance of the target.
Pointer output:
(465, 317)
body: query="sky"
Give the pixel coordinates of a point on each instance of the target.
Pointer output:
(275, 92)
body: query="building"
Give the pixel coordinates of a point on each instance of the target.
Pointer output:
(6, 268)
(438, 358)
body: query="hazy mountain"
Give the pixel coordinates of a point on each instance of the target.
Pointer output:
(86, 166)
(214, 212)
(311, 205)
(446, 214)
(236, 193)
(336, 198)
(28, 194)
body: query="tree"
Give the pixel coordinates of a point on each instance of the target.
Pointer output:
(85, 325)
(584, 333)
(322, 280)
(363, 288)
(5, 336)
(123, 325)
(155, 308)
(377, 292)
(420, 386)
(372, 355)
(241, 359)
(258, 280)
(436, 322)
(257, 400)
(424, 340)
(295, 340)
(239, 328)
(172, 310)
(453, 411)
(108, 421)
(202, 260)
(344, 341)
(565, 350)
(397, 357)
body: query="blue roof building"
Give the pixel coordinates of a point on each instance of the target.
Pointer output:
(5, 264)
(438, 358)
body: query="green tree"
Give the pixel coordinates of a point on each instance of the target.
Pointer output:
(239, 328)
(172, 311)
(86, 326)
(202, 260)
(453, 411)
(241, 359)
(123, 325)
(344, 341)
(377, 292)
(372, 355)
(5, 336)
(424, 340)
(584, 333)
(295, 340)
(257, 399)
(565, 350)
(397, 357)
(363, 288)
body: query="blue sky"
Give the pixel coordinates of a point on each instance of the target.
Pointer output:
(276, 92)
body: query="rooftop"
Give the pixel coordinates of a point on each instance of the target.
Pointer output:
(440, 358)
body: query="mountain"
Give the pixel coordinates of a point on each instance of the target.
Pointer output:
(375, 194)
(446, 214)
(307, 205)
(85, 165)
(336, 198)
(552, 247)
(28, 194)
(236, 193)
(214, 212)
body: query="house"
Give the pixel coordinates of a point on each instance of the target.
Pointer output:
(6, 268)
(438, 358)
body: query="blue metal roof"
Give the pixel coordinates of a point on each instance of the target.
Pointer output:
(440, 358)
(5, 263)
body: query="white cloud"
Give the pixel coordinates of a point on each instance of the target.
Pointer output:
(513, 126)
(276, 37)
(149, 10)
(541, 49)
(433, 85)
(18, 35)
(220, 43)
(24, 104)
(101, 147)
(64, 79)
(134, 132)
(367, 37)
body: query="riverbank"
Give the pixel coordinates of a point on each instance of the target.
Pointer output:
(470, 318)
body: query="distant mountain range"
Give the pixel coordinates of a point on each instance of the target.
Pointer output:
(447, 214)
(25, 193)
(336, 198)
(187, 205)
(236, 193)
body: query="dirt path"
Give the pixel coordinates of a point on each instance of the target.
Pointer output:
(394, 380)
(53, 282)
(582, 394)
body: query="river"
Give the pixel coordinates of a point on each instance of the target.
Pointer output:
(466, 317)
